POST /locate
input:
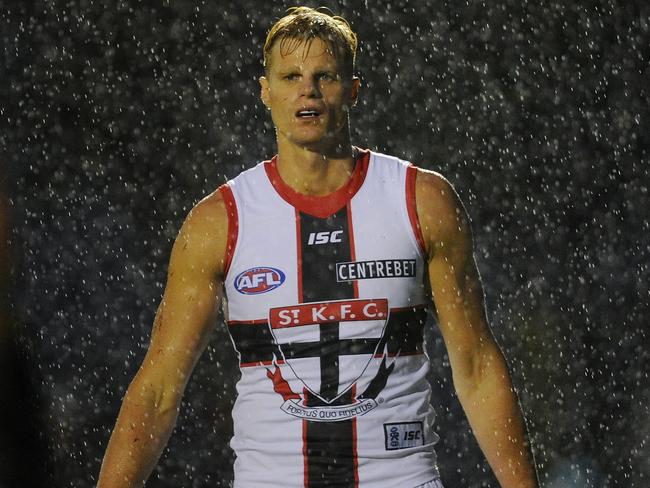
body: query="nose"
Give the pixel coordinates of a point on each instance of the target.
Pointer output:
(310, 87)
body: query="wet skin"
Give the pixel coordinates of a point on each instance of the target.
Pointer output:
(309, 96)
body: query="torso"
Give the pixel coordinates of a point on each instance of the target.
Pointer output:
(326, 308)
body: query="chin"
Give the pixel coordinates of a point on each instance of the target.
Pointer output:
(320, 140)
(309, 140)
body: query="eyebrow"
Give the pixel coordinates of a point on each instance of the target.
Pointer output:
(295, 68)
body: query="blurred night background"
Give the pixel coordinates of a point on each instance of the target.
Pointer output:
(117, 117)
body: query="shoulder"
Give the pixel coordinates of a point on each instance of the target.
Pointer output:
(435, 191)
(203, 236)
(210, 213)
(441, 214)
(249, 176)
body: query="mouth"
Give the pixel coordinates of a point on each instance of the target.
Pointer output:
(308, 114)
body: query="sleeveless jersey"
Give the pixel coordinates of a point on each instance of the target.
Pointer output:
(326, 305)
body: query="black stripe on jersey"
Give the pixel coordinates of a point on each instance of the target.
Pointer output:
(329, 445)
(254, 342)
(319, 258)
(314, 349)
(329, 360)
(404, 335)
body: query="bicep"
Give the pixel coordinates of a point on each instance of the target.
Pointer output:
(184, 320)
(188, 310)
(474, 355)
(453, 276)
(458, 296)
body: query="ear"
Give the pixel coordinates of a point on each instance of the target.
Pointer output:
(354, 90)
(264, 90)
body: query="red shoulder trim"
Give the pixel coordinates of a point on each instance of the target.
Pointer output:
(233, 225)
(320, 206)
(411, 206)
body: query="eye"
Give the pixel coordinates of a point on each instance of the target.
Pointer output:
(291, 76)
(327, 76)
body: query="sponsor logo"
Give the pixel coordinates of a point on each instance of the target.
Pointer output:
(316, 238)
(368, 270)
(258, 280)
(403, 435)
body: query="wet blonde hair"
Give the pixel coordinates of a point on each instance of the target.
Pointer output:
(304, 24)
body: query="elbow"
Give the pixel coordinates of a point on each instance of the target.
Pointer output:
(168, 402)
(479, 372)
(160, 401)
(467, 377)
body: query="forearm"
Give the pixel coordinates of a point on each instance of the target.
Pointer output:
(141, 432)
(493, 411)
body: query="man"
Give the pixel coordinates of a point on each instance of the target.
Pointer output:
(326, 254)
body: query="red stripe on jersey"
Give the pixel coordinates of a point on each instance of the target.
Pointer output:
(354, 441)
(261, 363)
(355, 283)
(325, 205)
(305, 452)
(299, 256)
(233, 225)
(411, 206)
(247, 322)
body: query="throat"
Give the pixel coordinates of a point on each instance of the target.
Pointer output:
(316, 176)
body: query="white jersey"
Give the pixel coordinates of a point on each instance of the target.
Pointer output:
(326, 308)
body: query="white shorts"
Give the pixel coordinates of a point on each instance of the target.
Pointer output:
(431, 484)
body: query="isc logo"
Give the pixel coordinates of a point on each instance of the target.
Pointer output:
(316, 238)
(258, 280)
(403, 435)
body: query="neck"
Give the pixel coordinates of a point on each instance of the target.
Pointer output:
(313, 172)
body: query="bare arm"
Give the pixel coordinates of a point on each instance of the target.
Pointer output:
(181, 329)
(479, 370)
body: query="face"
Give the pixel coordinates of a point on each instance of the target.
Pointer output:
(309, 96)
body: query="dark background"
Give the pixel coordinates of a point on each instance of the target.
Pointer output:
(117, 117)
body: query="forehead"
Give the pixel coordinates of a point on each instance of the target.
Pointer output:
(294, 52)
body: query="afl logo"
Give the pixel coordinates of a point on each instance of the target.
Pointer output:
(258, 280)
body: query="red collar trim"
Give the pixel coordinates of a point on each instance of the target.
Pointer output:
(325, 205)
